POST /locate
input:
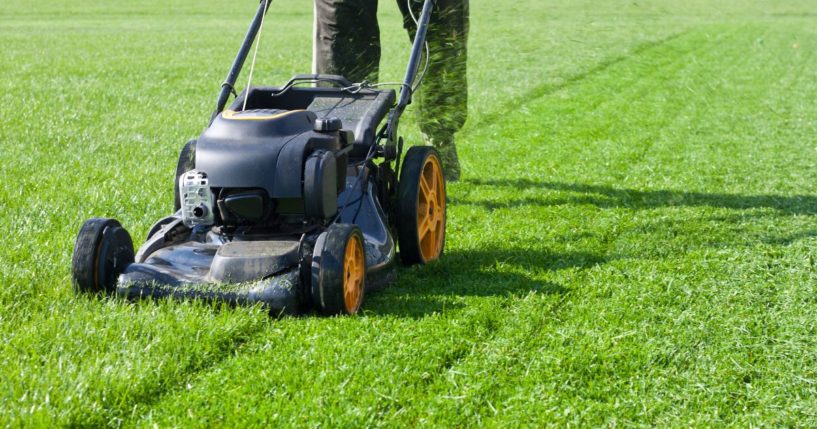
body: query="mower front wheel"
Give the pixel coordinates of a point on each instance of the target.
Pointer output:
(102, 251)
(421, 211)
(338, 270)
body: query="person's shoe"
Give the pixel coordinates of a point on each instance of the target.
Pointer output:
(448, 156)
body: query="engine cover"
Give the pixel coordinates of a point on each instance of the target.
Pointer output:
(261, 148)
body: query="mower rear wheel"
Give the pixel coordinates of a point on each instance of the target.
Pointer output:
(102, 251)
(187, 162)
(421, 211)
(338, 270)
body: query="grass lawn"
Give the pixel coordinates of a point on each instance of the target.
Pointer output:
(633, 241)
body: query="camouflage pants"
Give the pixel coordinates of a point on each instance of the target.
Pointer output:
(347, 43)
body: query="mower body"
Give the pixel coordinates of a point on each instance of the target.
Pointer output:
(280, 201)
(270, 205)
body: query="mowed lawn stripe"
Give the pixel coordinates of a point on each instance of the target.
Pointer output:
(365, 371)
(652, 329)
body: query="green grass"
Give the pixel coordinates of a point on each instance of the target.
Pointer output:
(633, 242)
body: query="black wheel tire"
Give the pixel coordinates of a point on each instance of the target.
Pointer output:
(187, 162)
(338, 270)
(102, 251)
(421, 210)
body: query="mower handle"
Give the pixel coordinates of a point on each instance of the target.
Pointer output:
(389, 130)
(332, 78)
(227, 87)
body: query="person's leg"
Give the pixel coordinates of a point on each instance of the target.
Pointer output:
(346, 39)
(443, 97)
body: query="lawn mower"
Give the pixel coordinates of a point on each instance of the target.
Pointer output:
(294, 197)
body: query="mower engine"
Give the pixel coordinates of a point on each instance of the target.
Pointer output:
(233, 185)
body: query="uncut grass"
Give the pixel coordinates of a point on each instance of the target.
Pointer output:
(631, 244)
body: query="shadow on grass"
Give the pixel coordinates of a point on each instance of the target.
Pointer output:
(438, 287)
(515, 272)
(608, 196)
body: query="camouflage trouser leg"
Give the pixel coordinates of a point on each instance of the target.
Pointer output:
(443, 96)
(347, 39)
(347, 42)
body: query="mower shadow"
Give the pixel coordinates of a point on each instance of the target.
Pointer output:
(610, 197)
(439, 287)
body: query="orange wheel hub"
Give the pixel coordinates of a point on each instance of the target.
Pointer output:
(354, 271)
(431, 210)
